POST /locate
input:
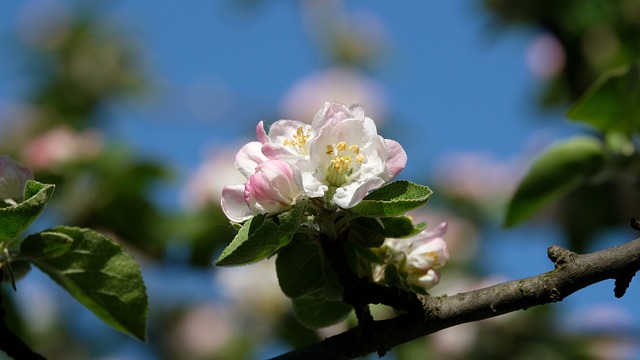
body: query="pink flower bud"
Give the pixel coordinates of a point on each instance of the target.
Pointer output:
(274, 187)
(419, 257)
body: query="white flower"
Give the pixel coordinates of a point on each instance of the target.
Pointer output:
(418, 257)
(13, 177)
(340, 153)
(347, 155)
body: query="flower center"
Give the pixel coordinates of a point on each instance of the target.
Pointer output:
(299, 140)
(341, 166)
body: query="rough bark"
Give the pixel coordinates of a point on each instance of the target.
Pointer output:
(572, 272)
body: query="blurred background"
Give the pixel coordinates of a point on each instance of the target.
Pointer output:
(135, 111)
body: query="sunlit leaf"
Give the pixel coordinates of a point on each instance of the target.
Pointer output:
(259, 238)
(15, 219)
(102, 276)
(393, 199)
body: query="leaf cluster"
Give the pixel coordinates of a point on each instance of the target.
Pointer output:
(319, 248)
(610, 106)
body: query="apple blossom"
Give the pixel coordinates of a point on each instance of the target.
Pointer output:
(340, 154)
(347, 156)
(417, 257)
(13, 177)
(62, 145)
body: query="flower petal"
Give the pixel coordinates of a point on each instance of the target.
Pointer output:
(331, 113)
(233, 203)
(261, 134)
(249, 157)
(396, 159)
(349, 195)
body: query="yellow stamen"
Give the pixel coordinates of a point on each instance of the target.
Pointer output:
(329, 150)
(342, 162)
(299, 139)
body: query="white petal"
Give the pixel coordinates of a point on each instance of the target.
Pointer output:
(396, 159)
(312, 183)
(249, 157)
(350, 195)
(233, 204)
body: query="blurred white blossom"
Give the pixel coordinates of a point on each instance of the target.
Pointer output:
(476, 177)
(62, 145)
(545, 56)
(204, 185)
(254, 293)
(341, 84)
(203, 331)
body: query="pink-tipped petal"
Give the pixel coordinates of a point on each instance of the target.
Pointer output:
(233, 204)
(261, 134)
(249, 157)
(396, 158)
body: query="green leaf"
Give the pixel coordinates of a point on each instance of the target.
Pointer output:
(101, 276)
(290, 220)
(15, 219)
(259, 238)
(44, 245)
(393, 199)
(559, 170)
(304, 270)
(361, 259)
(371, 232)
(612, 102)
(392, 227)
(317, 313)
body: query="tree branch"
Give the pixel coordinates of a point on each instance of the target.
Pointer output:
(572, 272)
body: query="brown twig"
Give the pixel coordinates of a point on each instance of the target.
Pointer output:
(572, 272)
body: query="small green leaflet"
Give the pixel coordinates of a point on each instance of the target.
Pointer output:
(97, 272)
(261, 236)
(559, 170)
(393, 199)
(15, 219)
(44, 245)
